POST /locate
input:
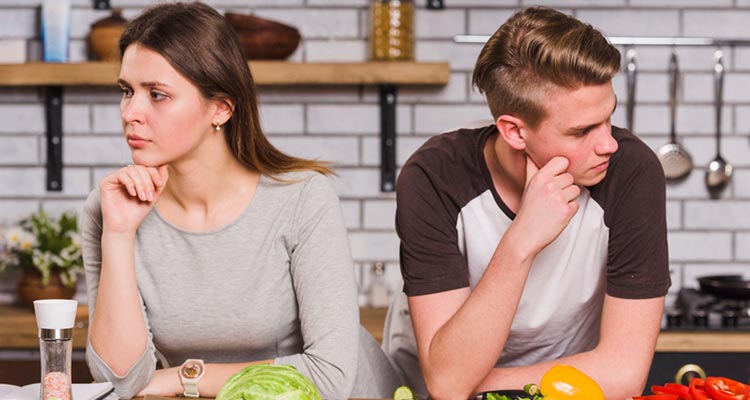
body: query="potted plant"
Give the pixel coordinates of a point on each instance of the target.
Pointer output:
(47, 251)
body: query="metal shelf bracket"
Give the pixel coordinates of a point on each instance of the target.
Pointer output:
(53, 108)
(53, 100)
(387, 138)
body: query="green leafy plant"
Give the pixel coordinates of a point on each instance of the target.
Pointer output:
(43, 243)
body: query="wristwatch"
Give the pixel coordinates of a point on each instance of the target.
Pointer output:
(191, 372)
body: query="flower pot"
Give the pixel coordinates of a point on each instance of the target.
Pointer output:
(30, 287)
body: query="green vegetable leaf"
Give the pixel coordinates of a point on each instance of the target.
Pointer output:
(268, 382)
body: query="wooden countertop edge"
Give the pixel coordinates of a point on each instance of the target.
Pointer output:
(19, 332)
(155, 397)
(703, 342)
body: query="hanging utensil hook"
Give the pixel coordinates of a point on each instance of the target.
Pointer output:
(631, 71)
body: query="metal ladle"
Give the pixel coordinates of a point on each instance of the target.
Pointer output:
(675, 160)
(631, 71)
(719, 171)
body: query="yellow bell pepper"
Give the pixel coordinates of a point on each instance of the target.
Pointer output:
(563, 382)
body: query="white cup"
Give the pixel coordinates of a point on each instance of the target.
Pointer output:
(55, 313)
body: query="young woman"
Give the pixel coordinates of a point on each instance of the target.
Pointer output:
(214, 247)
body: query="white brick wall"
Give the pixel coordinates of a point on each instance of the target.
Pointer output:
(341, 124)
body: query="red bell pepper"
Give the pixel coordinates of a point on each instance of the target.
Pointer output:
(681, 391)
(657, 397)
(698, 389)
(720, 388)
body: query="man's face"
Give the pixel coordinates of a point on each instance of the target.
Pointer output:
(577, 127)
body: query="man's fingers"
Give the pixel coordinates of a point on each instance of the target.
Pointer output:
(531, 169)
(556, 166)
(563, 180)
(571, 193)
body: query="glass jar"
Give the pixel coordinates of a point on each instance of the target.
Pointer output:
(55, 319)
(56, 348)
(378, 293)
(392, 30)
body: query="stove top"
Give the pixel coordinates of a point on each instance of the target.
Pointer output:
(697, 310)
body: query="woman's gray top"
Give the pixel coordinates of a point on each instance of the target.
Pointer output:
(277, 283)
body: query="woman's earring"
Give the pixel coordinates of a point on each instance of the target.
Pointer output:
(217, 126)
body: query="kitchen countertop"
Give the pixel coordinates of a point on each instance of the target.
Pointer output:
(154, 397)
(18, 328)
(18, 331)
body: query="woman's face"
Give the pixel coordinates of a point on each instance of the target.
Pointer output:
(164, 116)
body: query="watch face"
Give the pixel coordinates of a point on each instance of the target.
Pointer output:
(191, 370)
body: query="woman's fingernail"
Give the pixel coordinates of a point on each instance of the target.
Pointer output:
(150, 196)
(143, 195)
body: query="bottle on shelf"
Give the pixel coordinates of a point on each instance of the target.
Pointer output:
(378, 295)
(392, 30)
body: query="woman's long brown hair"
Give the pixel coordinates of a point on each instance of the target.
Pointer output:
(201, 45)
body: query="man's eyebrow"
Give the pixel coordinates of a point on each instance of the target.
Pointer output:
(576, 129)
(123, 82)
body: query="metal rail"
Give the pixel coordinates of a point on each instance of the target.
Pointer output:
(639, 40)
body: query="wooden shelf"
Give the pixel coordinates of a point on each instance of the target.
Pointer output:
(386, 75)
(280, 73)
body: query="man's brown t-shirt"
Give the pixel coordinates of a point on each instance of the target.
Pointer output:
(450, 219)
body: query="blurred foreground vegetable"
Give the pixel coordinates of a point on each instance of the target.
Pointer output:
(266, 382)
(563, 382)
(404, 393)
(712, 388)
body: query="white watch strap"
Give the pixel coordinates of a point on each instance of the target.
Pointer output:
(190, 389)
(191, 372)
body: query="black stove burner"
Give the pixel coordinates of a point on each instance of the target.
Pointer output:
(698, 310)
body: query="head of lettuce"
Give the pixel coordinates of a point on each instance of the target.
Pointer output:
(264, 381)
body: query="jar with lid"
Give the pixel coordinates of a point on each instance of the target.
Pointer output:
(55, 319)
(392, 30)
(378, 292)
(105, 35)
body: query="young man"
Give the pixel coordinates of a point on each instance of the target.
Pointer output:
(538, 240)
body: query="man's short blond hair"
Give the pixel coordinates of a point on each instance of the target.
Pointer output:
(538, 50)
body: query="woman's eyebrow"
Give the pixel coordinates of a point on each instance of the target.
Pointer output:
(143, 84)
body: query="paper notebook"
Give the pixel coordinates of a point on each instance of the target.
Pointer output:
(81, 391)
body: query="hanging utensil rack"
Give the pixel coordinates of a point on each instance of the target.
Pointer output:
(629, 42)
(640, 40)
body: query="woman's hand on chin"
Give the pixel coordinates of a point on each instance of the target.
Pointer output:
(129, 194)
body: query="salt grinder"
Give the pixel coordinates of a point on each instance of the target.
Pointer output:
(55, 319)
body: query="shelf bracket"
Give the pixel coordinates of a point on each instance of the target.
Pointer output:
(435, 4)
(387, 138)
(101, 4)
(53, 110)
